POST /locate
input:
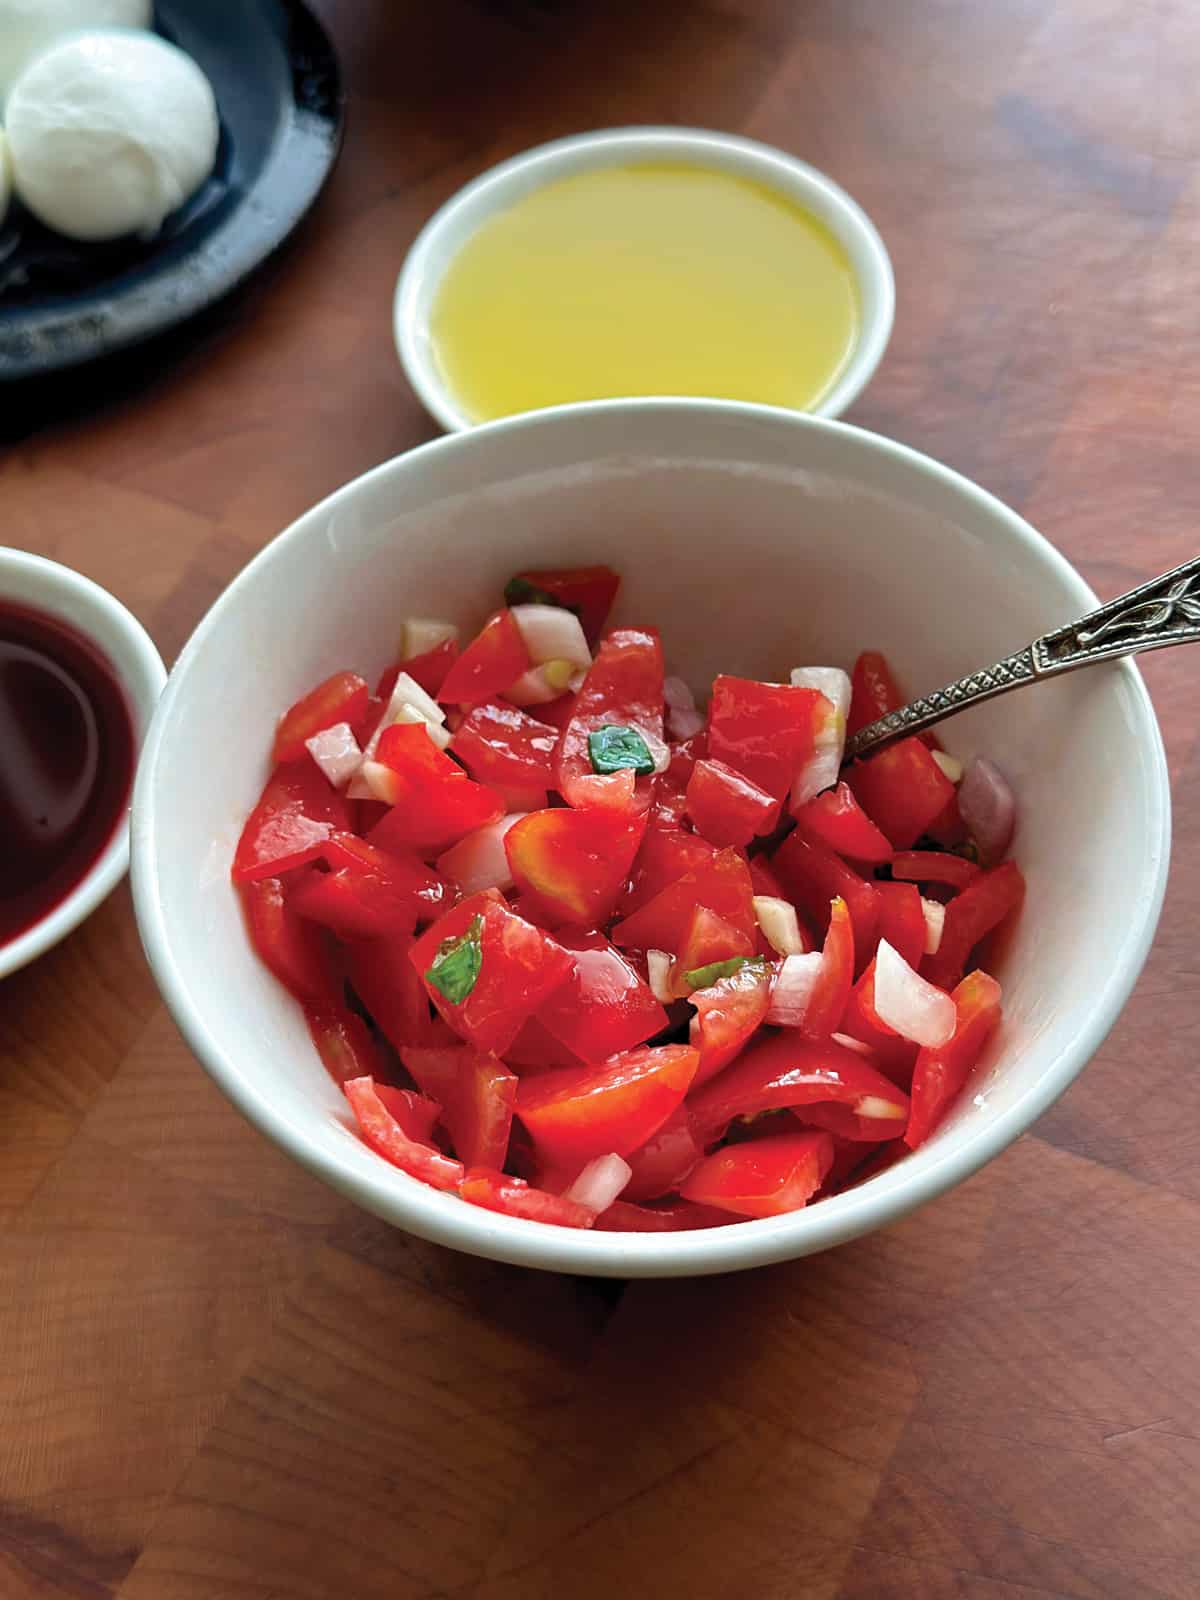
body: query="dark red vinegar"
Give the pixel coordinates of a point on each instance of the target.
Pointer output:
(66, 763)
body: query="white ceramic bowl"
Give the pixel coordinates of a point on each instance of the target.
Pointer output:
(756, 539)
(449, 228)
(57, 591)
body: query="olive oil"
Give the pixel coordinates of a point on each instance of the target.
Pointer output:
(665, 279)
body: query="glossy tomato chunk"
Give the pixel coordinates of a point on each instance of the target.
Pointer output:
(728, 1013)
(496, 1191)
(383, 1132)
(341, 698)
(577, 1114)
(506, 748)
(572, 865)
(940, 1074)
(476, 1092)
(493, 660)
(605, 1006)
(624, 688)
(722, 884)
(813, 877)
(726, 807)
(983, 905)
(763, 1177)
(296, 813)
(765, 731)
(666, 853)
(902, 790)
(835, 820)
(388, 985)
(587, 591)
(294, 949)
(436, 803)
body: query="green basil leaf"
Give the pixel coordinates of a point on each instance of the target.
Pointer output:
(456, 965)
(704, 977)
(615, 747)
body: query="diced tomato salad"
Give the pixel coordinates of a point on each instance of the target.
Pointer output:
(575, 971)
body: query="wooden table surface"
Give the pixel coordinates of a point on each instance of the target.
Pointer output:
(217, 1379)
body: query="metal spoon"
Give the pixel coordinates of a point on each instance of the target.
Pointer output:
(1163, 612)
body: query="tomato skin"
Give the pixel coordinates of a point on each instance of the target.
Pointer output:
(386, 982)
(835, 820)
(728, 1014)
(496, 1191)
(814, 877)
(587, 591)
(902, 790)
(604, 1007)
(296, 813)
(293, 949)
(765, 731)
(439, 803)
(520, 967)
(680, 1216)
(341, 698)
(782, 1071)
(503, 746)
(940, 1074)
(387, 1138)
(624, 686)
(493, 660)
(343, 1043)
(666, 853)
(901, 920)
(575, 1115)
(429, 669)
(722, 884)
(970, 916)
(573, 864)
(726, 807)
(934, 866)
(763, 1177)
(417, 1115)
(477, 1093)
(661, 1164)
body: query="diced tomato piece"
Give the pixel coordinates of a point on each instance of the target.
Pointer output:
(577, 1114)
(765, 730)
(416, 1115)
(387, 1138)
(722, 884)
(573, 864)
(341, 698)
(764, 880)
(438, 804)
(535, 1049)
(763, 1177)
(684, 756)
(934, 866)
(388, 985)
(430, 669)
(587, 591)
(503, 746)
(728, 1013)
(894, 1054)
(666, 853)
(496, 1191)
(668, 803)
(661, 1164)
(558, 713)
(784, 1070)
(514, 969)
(604, 1007)
(873, 692)
(624, 688)
(293, 949)
(296, 813)
(848, 1156)
(343, 1043)
(832, 988)
(494, 659)
(846, 1123)
(983, 905)
(726, 807)
(477, 1093)
(710, 938)
(902, 790)
(901, 920)
(371, 893)
(835, 820)
(814, 877)
(678, 1217)
(940, 1074)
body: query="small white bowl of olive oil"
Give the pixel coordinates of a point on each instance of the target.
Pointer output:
(644, 261)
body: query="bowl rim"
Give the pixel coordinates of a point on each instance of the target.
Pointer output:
(129, 652)
(405, 1201)
(428, 257)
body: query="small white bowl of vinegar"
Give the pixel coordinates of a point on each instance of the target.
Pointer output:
(644, 261)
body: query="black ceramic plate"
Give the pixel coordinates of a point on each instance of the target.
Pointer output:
(278, 88)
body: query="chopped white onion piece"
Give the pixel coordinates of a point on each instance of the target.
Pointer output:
(539, 685)
(824, 766)
(848, 1042)
(874, 1105)
(684, 723)
(678, 695)
(413, 715)
(600, 1182)
(479, 861)
(660, 753)
(935, 918)
(988, 807)
(792, 991)
(832, 682)
(374, 781)
(951, 766)
(658, 967)
(779, 923)
(336, 752)
(908, 1003)
(422, 634)
(551, 633)
(408, 703)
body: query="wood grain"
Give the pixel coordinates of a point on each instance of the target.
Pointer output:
(221, 1382)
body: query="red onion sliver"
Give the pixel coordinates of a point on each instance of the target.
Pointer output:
(907, 1002)
(600, 1182)
(988, 807)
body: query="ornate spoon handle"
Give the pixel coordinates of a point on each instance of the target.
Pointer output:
(1163, 612)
